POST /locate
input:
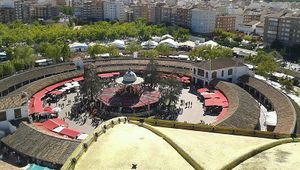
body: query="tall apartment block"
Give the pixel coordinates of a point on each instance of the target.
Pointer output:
(140, 11)
(114, 10)
(226, 22)
(203, 20)
(284, 27)
(168, 14)
(183, 16)
(90, 10)
(7, 15)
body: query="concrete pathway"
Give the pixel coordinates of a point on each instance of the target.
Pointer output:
(195, 113)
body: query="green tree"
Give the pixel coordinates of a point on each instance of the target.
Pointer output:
(8, 68)
(163, 49)
(65, 52)
(151, 76)
(133, 47)
(148, 54)
(247, 37)
(286, 83)
(170, 89)
(207, 53)
(266, 67)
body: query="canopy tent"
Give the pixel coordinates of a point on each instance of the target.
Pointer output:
(149, 44)
(166, 36)
(69, 132)
(188, 44)
(169, 42)
(211, 43)
(119, 44)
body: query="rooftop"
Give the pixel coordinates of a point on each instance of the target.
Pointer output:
(219, 63)
(144, 149)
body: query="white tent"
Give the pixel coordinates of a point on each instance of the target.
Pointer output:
(211, 43)
(119, 44)
(149, 44)
(75, 47)
(189, 44)
(167, 36)
(170, 42)
(271, 118)
(156, 39)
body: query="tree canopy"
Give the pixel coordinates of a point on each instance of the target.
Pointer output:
(207, 52)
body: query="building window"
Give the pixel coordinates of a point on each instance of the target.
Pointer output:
(214, 75)
(200, 72)
(194, 71)
(2, 116)
(230, 72)
(206, 75)
(18, 113)
(222, 73)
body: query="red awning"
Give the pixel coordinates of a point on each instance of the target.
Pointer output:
(50, 124)
(105, 75)
(115, 73)
(78, 78)
(69, 132)
(58, 121)
(36, 104)
(202, 90)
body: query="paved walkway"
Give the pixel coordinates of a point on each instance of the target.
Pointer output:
(76, 125)
(195, 113)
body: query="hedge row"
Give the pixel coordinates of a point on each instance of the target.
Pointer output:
(86, 143)
(256, 151)
(216, 129)
(185, 155)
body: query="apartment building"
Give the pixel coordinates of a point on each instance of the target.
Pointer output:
(183, 16)
(168, 14)
(155, 13)
(203, 20)
(44, 11)
(226, 22)
(91, 11)
(23, 10)
(251, 16)
(114, 10)
(284, 27)
(7, 14)
(140, 11)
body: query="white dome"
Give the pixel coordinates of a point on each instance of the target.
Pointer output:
(129, 76)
